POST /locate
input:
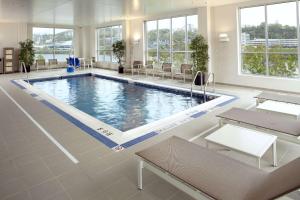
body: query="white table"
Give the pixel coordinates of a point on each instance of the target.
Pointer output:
(280, 108)
(244, 140)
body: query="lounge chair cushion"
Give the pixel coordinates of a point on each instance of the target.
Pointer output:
(218, 176)
(279, 97)
(263, 120)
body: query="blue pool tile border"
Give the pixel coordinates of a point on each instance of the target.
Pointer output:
(18, 85)
(34, 95)
(139, 139)
(59, 77)
(110, 78)
(109, 143)
(199, 114)
(227, 102)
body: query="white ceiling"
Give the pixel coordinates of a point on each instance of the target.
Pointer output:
(87, 12)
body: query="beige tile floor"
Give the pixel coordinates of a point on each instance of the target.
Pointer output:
(33, 168)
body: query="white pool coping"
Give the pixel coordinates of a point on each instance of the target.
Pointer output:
(123, 139)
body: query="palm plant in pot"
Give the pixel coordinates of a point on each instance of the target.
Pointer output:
(27, 53)
(119, 52)
(200, 57)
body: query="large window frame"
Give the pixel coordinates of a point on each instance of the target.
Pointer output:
(187, 52)
(55, 48)
(268, 50)
(104, 50)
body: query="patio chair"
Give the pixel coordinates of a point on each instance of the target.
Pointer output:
(40, 64)
(135, 67)
(52, 63)
(206, 174)
(148, 69)
(185, 70)
(166, 69)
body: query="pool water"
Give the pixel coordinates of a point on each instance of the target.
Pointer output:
(122, 105)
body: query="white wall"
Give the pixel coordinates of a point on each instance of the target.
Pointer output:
(226, 55)
(11, 34)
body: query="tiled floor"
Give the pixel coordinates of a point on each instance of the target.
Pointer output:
(33, 168)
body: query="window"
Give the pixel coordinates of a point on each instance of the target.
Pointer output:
(53, 43)
(168, 40)
(105, 39)
(269, 40)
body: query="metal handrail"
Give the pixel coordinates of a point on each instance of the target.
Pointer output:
(204, 88)
(193, 83)
(23, 66)
(206, 84)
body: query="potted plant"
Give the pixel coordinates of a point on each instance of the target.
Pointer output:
(200, 57)
(119, 52)
(27, 53)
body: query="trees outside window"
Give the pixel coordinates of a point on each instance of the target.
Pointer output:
(52, 43)
(269, 40)
(168, 40)
(105, 38)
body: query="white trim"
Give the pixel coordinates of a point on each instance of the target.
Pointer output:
(50, 137)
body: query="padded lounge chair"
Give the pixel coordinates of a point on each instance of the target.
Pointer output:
(206, 174)
(277, 97)
(288, 129)
(185, 70)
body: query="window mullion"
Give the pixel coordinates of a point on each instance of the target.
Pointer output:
(267, 41)
(186, 41)
(157, 45)
(298, 36)
(171, 40)
(53, 40)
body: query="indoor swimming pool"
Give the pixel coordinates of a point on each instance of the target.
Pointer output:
(119, 103)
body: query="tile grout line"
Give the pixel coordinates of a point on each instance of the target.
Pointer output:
(50, 137)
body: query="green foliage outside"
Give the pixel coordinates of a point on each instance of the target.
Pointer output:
(40, 57)
(284, 65)
(44, 43)
(275, 31)
(164, 46)
(282, 60)
(27, 52)
(119, 50)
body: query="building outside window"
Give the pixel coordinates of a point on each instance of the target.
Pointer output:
(105, 38)
(52, 43)
(167, 40)
(269, 40)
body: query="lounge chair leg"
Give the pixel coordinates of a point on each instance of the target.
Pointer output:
(274, 154)
(258, 161)
(140, 175)
(220, 122)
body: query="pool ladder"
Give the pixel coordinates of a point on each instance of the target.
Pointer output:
(203, 88)
(23, 66)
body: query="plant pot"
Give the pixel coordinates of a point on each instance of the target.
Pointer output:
(198, 79)
(121, 69)
(27, 69)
